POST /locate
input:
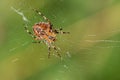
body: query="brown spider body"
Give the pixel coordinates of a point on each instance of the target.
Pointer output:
(43, 31)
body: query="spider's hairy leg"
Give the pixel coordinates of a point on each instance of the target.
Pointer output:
(36, 42)
(49, 49)
(54, 47)
(60, 31)
(30, 33)
(42, 15)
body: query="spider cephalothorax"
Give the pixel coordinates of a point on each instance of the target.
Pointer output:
(43, 31)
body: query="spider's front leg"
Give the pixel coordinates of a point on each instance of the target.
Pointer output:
(42, 15)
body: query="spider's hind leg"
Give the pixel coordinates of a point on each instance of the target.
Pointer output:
(49, 50)
(56, 50)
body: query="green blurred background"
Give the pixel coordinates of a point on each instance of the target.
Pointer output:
(90, 52)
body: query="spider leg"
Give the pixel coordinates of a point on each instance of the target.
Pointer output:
(42, 15)
(30, 33)
(58, 54)
(49, 49)
(36, 42)
(60, 31)
(54, 47)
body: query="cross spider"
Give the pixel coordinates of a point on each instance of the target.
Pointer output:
(43, 31)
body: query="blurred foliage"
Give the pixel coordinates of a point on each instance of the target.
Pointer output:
(89, 52)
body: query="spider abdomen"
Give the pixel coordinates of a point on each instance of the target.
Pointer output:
(44, 31)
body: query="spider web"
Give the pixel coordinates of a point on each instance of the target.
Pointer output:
(73, 43)
(76, 44)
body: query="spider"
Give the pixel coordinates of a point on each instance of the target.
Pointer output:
(43, 31)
